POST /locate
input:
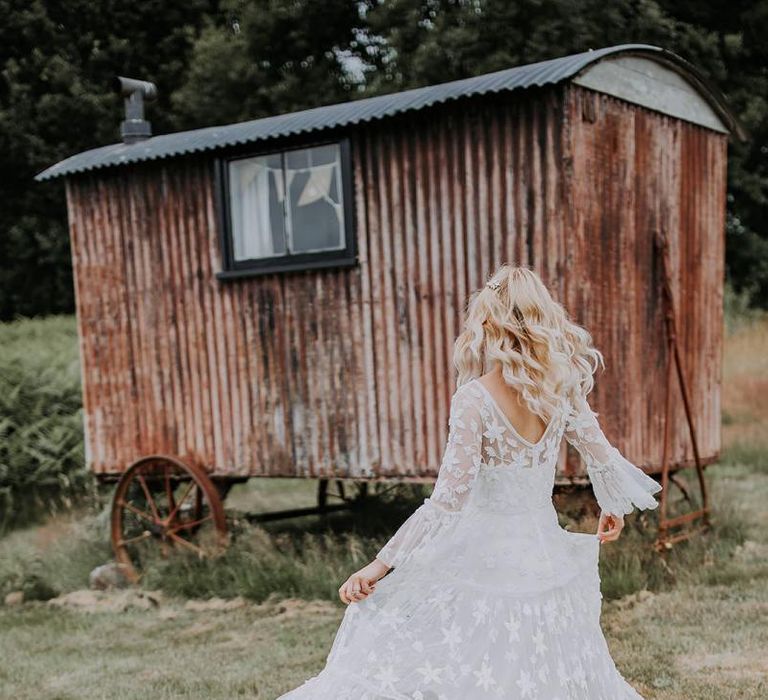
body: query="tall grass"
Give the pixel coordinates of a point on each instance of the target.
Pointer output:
(635, 565)
(309, 557)
(304, 558)
(41, 436)
(44, 561)
(312, 563)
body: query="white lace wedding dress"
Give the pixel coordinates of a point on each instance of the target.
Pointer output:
(489, 597)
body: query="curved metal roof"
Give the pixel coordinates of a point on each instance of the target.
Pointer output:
(374, 108)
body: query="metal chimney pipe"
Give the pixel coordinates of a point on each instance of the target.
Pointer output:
(135, 92)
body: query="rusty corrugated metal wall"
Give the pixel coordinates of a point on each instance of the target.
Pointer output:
(635, 171)
(348, 371)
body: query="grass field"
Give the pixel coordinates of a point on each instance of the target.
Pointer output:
(689, 627)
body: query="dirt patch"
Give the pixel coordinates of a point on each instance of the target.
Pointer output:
(90, 601)
(751, 551)
(122, 600)
(200, 628)
(216, 604)
(632, 600)
(289, 608)
(736, 665)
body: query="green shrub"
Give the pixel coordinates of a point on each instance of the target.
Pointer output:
(41, 434)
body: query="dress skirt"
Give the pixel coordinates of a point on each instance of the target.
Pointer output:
(499, 606)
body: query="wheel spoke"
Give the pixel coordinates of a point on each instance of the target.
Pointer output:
(169, 491)
(137, 511)
(148, 495)
(185, 526)
(143, 536)
(197, 550)
(180, 502)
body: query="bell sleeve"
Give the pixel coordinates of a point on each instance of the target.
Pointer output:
(458, 469)
(618, 484)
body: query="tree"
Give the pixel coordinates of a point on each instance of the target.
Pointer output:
(58, 60)
(266, 58)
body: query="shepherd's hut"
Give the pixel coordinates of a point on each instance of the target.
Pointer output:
(280, 297)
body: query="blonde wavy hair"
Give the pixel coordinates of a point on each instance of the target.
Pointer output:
(513, 320)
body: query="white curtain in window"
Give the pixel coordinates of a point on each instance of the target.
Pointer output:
(251, 226)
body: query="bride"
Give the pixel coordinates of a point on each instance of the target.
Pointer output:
(481, 593)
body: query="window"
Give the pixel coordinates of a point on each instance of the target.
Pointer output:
(287, 210)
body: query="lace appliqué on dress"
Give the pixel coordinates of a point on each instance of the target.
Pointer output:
(459, 469)
(618, 484)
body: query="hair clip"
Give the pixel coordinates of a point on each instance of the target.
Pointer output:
(493, 284)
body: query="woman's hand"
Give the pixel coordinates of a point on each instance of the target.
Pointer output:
(362, 583)
(610, 526)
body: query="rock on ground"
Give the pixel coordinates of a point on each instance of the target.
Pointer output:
(108, 576)
(14, 598)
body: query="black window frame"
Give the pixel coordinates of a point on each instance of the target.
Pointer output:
(290, 262)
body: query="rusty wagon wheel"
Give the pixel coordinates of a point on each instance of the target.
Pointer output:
(160, 504)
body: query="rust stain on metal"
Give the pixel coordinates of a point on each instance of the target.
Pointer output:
(348, 372)
(636, 172)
